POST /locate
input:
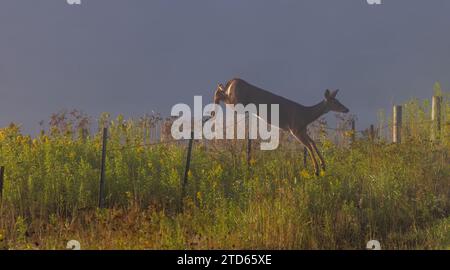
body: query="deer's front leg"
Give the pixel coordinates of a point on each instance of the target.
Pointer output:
(322, 160)
(303, 138)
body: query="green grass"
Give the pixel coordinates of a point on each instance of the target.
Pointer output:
(398, 194)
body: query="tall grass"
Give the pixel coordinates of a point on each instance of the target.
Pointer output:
(398, 194)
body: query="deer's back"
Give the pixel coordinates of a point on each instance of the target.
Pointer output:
(242, 92)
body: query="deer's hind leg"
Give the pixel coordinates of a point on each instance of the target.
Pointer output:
(313, 144)
(302, 137)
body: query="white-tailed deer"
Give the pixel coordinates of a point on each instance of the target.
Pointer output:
(294, 117)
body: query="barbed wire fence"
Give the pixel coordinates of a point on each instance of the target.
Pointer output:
(157, 132)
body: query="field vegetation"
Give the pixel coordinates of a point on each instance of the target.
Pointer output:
(398, 194)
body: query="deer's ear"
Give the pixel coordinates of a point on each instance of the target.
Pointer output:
(220, 87)
(334, 93)
(327, 94)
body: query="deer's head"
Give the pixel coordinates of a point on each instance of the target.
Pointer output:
(220, 94)
(333, 104)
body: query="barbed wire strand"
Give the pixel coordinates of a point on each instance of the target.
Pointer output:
(174, 141)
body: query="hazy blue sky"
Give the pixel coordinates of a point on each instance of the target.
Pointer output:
(135, 56)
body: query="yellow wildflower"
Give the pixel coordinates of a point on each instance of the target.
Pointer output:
(305, 174)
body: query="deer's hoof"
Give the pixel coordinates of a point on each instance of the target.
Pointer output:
(317, 173)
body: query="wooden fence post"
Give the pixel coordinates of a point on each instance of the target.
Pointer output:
(397, 124)
(2, 177)
(186, 170)
(101, 198)
(436, 117)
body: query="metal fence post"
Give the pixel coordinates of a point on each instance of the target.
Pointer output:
(353, 135)
(101, 194)
(372, 133)
(186, 170)
(305, 157)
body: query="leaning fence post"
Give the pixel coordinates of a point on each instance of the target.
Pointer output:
(186, 170)
(436, 117)
(2, 175)
(101, 198)
(397, 124)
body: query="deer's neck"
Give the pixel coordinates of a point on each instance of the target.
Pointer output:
(316, 111)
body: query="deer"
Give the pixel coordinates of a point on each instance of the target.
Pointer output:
(294, 117)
